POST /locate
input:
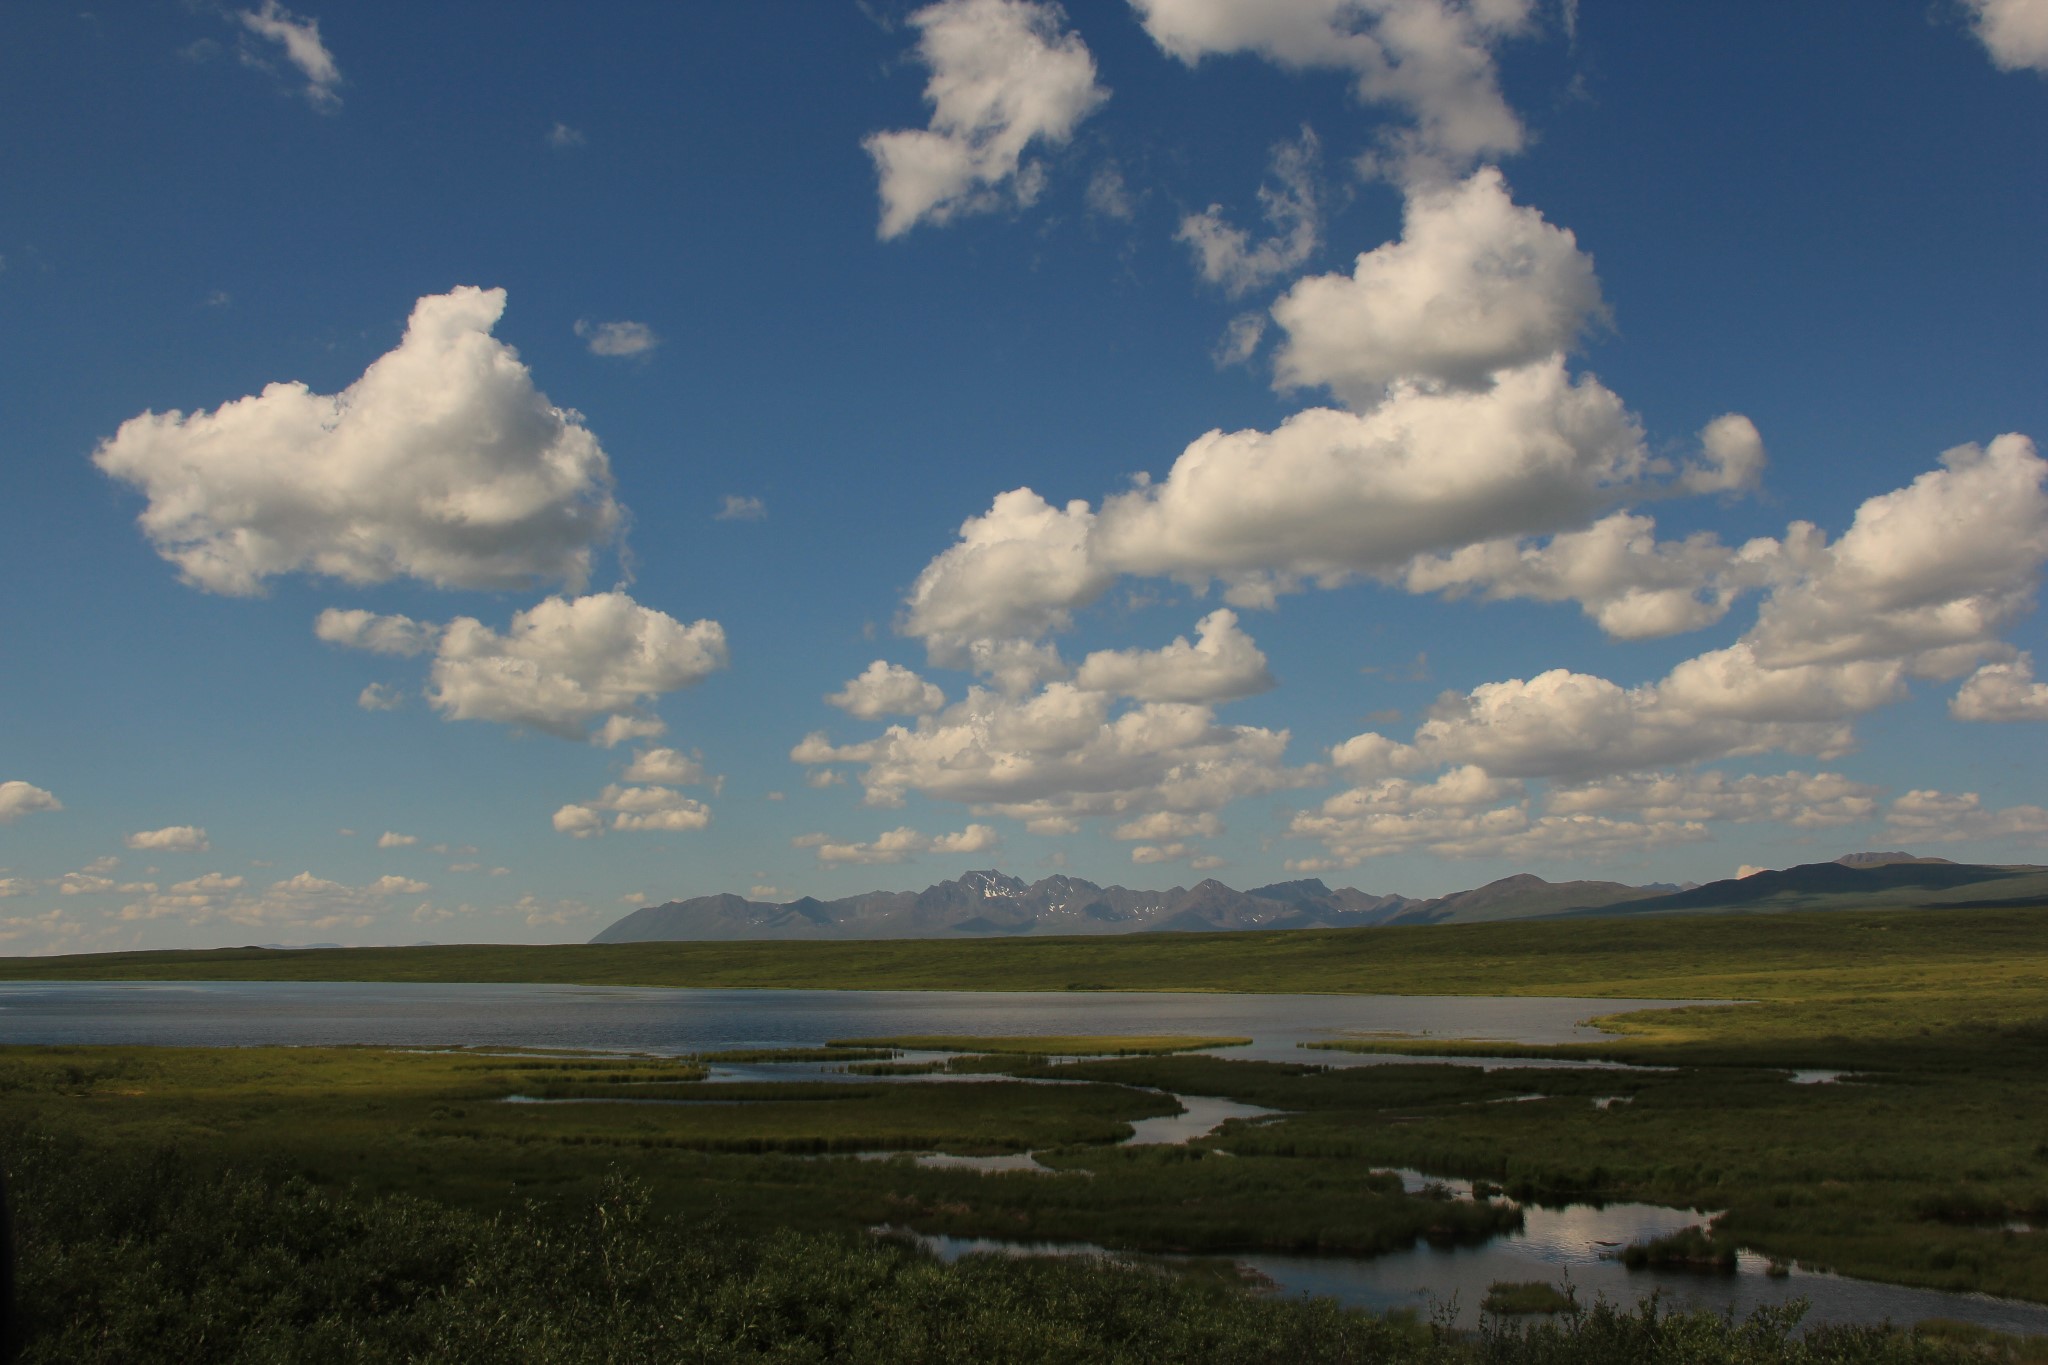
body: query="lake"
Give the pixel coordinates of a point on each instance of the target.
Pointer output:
(661, 1020)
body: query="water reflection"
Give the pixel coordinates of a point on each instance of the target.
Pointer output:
(667, 1021)
(1571, 1247)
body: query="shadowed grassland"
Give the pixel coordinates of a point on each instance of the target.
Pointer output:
(134, 1259)
(1789, 956)
(437, 1124)
(1049, 1045)
(836, 1052)
(1524, 1296)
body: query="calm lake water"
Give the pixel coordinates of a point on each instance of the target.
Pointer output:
(644, 1019)
(1555, 1243)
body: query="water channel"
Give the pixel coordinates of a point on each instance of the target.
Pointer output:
(1574, 1243)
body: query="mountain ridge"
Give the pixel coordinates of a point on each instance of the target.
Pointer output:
(988, 903)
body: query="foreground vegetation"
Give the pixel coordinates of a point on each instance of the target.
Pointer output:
(138, 1258)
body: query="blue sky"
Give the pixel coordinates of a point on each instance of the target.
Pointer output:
(472, 470)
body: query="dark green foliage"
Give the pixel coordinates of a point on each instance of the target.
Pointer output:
(835, 1053)
(138, 1259)
(1525, 1296)
(1687, 1249)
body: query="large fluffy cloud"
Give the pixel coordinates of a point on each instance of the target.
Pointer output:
(2005, 691)
(886, 689)
(1460, 814)
(1475, 284)
(1941, 817)
(1457, 816)
(2014, 32)
(1575, 725)
(1921, 583)
(1800, 800)
(1063, 754)
(1004, 74)
(443, 463)
(1332, 494)
(1636, 586)
(1017, 570)
(1221, 665)
(1431, 59)
(18, 798)
(1327, 496)
(1930, 573)
(559, 666)
(565, 662)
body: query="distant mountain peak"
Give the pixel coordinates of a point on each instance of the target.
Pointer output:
(1886, 859)
(991, 883)
(987, 901)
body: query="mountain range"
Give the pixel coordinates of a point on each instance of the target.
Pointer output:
(990, 903)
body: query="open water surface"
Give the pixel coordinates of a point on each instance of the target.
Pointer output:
(658, 1020)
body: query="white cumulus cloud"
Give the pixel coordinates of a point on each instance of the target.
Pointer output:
(1999, 692)
(633, 808)
(897, 845)
(442, 462)
(668, 767)
(1328, 496)
(170, 839)
(301, 903)
(1430, 59)
(1222, 665)
(19, 798)
(1636, 586)
(1060, 755)
(2014, 32)
(1474, 284)
(886, 689)
(1929, 573)
(1004, 74)
(559, 666)
(1799, 800)
(1940, 817)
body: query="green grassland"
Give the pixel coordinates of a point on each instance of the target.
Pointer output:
(1702, 957)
